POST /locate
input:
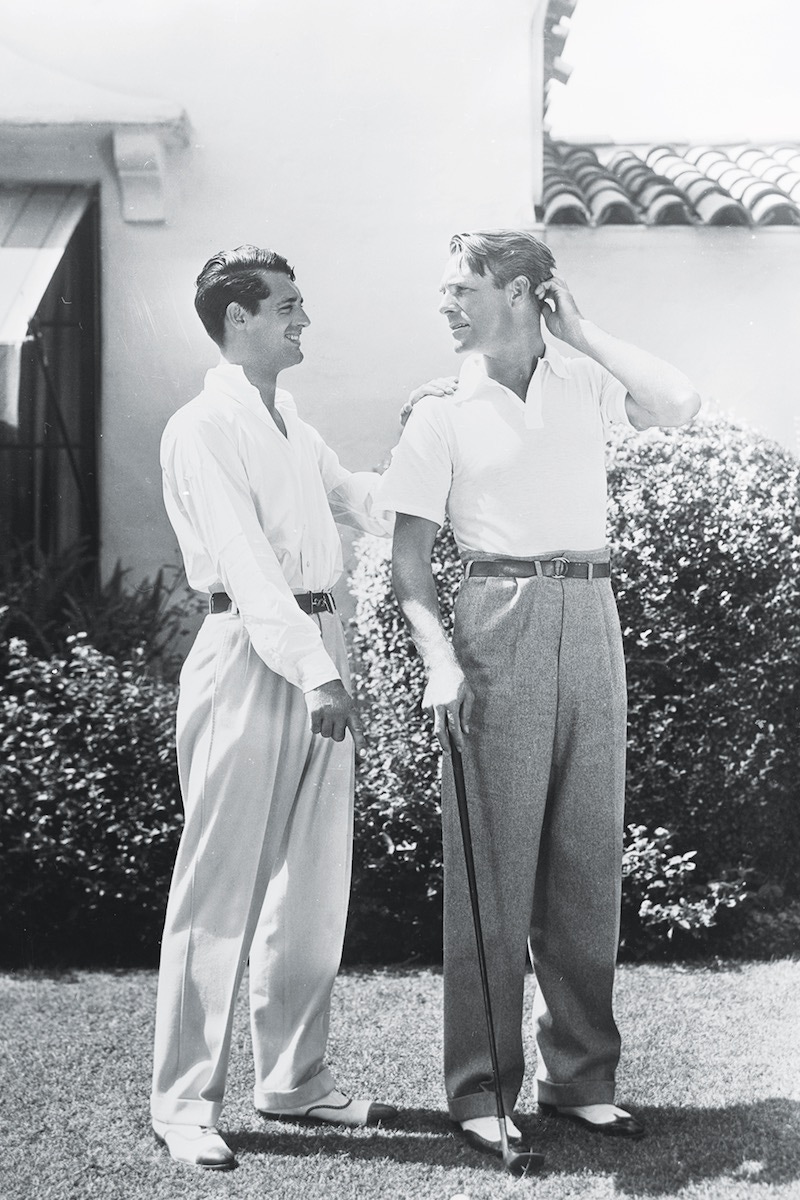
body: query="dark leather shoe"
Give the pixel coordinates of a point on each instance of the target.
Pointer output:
(627, 1127)
(381, 1114)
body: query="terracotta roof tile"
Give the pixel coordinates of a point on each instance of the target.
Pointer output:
(671, 185)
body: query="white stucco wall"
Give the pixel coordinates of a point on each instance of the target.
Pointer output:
(722, 304)
(353, 137)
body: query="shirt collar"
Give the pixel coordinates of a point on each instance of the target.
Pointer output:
(230, 378)
(473, 372)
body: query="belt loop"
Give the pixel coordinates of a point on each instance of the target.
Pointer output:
(590, 572)
(538, 566)
(468, 565)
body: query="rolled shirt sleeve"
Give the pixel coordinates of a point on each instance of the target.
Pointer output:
(613, 394)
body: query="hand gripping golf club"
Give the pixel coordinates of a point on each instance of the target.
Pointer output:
(518, 1162)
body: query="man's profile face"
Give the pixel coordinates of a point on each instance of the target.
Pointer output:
(476, 309)
(273, 332)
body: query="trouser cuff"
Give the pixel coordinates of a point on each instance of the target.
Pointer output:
(479, 1104)
(184, 1112)
(307, 1093)
(579, 1091)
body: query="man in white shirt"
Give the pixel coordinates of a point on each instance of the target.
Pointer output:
(533, 685)
(266, 727)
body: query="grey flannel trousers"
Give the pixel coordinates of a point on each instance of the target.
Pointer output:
(545, 774)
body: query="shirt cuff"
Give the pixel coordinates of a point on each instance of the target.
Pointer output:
(314, 669)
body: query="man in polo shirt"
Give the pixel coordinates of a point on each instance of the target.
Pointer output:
(533, 685)
(266, 726)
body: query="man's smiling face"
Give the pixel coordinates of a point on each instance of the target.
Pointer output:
(477, 310)
(274, 330)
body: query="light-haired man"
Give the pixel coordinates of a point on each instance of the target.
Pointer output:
(266, 726)
(533, 685)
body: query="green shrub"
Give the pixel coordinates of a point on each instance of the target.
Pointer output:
(90, 813)
(706, 542)
(395, 910)
(45, 600)
(703, 528)
(662, 906)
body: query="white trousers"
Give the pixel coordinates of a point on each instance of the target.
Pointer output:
(263, 869)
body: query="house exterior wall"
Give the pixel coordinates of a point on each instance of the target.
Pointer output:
(353, 137)
(721, 304)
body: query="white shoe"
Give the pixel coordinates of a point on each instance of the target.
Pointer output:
(338, 1109)
(198, 1145)
(488, 1128)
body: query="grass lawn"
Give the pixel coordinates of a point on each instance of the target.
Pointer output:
(711, 1062)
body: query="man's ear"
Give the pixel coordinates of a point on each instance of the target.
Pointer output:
(236, 315)
(519, 290)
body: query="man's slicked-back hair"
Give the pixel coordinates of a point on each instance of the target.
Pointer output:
(234, 275)
(504, 254)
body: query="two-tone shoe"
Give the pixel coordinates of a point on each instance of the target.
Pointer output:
(197, 1145)
(621, 1125)
(337, 1109)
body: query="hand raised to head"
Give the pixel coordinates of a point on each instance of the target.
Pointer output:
(561, 314)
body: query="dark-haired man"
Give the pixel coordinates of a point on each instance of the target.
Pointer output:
(266, 727)
(533, 685)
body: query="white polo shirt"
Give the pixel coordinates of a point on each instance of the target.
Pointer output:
(255, 514)
(516, 479)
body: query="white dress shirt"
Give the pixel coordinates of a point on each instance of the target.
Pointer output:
(517, 479)
(255, 514)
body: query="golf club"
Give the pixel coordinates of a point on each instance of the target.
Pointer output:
(518, 1162)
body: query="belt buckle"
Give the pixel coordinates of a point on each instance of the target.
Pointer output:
(320, 602)
(560, 567)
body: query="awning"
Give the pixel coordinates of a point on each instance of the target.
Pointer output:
(36, 224)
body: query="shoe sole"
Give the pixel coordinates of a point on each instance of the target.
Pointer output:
(297, 1119)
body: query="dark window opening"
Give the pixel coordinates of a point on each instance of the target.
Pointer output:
(48, 460)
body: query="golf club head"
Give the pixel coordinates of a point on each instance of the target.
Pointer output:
(522, 1162)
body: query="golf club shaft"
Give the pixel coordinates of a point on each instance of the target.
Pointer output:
(469, 861)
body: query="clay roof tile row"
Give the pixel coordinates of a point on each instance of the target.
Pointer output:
(665, 185)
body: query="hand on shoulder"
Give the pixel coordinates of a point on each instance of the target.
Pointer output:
(445, 386)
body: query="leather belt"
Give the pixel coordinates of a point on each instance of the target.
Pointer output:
(310, 602)
(554, 568)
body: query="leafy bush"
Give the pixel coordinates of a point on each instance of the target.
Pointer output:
(660, 899)
(45, 600)
(395, 910)
(706, 540)
(704, 535)
(90, 805)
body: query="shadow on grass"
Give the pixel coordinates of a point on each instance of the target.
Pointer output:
(420, 1135)
(757, 1143)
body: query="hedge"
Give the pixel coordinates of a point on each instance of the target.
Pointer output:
(704, 529)
(703, 525)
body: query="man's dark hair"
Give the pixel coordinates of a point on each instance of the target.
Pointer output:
(234, 275)
(504, 254)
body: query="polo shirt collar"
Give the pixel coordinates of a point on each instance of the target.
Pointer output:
(473, 377)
